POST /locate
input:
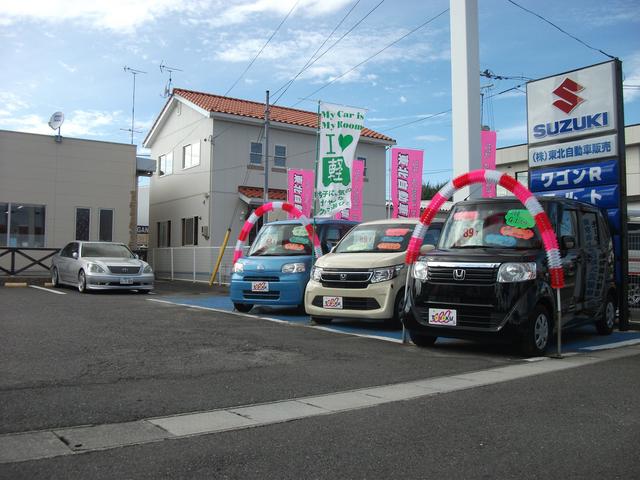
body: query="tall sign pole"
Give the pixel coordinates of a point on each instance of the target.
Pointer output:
(266, 155)
(465, 88)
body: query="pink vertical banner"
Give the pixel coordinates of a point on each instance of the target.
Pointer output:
(406, 182)
(357, 185)
(300, 190)
(488, 142)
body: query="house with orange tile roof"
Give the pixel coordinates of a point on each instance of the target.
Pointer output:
(210, 155)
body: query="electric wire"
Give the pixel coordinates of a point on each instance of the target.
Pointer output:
(263, 47)
(563, 31)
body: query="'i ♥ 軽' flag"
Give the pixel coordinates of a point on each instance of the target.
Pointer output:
(339, 131)
(300, 190)
(406, 182)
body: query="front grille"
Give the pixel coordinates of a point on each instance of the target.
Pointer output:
(352, 303)
(124, 270)
(346, 278)
(249, 295)
(258, 278)
(467, 316)
(472, 275)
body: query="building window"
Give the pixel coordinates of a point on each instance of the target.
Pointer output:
(164, 234)
(191, 155)
(22, 225)
(364, 161)
(523, 177)
(280, 156)
(165, 164)
(190, 231)
(255, 157)
(106, 225)
(83, 221)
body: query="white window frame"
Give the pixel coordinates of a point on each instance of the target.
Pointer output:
(251, 153)
(364, 169)
(163, 159)
(284, 164)
(188, 157)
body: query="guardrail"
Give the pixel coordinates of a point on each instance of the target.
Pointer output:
(16, 260)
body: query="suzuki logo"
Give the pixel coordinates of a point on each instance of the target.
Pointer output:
(459, 274)
(567, 92)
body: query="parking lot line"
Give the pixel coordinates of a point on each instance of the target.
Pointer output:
(17, 447)
(48, 290)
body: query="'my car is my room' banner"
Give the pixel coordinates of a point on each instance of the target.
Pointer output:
(340, 129)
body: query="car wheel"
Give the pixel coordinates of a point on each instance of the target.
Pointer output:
(605, 323)
(538, 333)
(395, 322)
(321, 320)
(421, 339)
(634, 295)
(82, 282)
(242, 307)
(55, 281)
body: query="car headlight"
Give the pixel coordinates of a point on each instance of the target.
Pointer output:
(238, 267)
(147, 269)
(316, 274)
(293, 267)
(95, 268)
(516, 272)
(386, 273)
(420, 270)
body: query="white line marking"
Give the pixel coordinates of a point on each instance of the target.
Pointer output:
(48, 290)
(609, 346)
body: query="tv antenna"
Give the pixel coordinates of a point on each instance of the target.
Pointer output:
(133, 72)
(163, 68)
(55, 122)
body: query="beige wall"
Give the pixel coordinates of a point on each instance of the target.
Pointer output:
(182, 195)
(35, 169)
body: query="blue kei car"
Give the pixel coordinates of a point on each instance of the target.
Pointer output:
(277, 268)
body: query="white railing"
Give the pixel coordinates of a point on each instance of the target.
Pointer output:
(191, 263)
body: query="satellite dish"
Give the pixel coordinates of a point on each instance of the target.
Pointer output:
(56, 120)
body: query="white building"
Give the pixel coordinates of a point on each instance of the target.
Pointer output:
(210, 176)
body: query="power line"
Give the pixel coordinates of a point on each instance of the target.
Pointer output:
(416, 121)
(313, 60)
(374, 55)
(563, 31)
(263, 47)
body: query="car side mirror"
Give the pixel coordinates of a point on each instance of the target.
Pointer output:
(567, 242)
(75, 255)
(426, 248)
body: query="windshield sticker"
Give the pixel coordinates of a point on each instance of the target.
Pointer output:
(392, 239)
(397, 232)
(466, 215)
(523, 233)
(519, 219)
(299, 231)
(500, 240)
(303, 240)
(358, 247)
(389, 246)
(294, 246)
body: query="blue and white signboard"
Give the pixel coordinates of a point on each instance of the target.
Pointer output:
(602, 197)
(591, 148)
(569, 176)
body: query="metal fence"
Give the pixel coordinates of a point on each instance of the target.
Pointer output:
(25, 261)
(634, 275)
(191, 263)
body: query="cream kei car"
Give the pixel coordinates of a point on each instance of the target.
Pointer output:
(365, 273)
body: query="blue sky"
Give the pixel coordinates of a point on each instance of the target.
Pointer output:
(69, 55)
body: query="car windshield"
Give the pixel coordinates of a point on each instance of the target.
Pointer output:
(490, 225)
(380, 238)
(281, 240)
(110, 250)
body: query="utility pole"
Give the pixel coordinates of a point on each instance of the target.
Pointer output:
(266, 156)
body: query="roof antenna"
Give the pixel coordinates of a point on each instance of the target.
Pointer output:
(167, 88)
(133, 72)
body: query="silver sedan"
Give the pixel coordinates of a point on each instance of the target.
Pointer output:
(100, 266)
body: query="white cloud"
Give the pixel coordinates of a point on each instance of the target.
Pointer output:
(80, 123)
(513, 133)
(11, 102)
(403, 99)
(430, 138)
(631, 77)
(67, 67)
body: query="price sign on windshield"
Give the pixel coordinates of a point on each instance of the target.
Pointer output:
(519, 219)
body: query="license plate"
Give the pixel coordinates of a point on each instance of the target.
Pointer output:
(332, 302)
(126, 281)
(259, 286)
(442, 316)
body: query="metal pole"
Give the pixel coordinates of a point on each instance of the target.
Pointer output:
(266, 156)
(194, 264)
(133, 105)
(559, 322)
(405, 340)
(171, 263)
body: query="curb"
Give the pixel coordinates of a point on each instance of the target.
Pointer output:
(15, 284)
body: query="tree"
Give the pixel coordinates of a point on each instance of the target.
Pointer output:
(428, 190)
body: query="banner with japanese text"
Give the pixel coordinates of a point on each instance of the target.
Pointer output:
(340, 128)
(488, 142)
(355, 212)
(300, 190)
(406, 182)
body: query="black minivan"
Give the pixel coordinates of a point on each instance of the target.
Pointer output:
(488, 276)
